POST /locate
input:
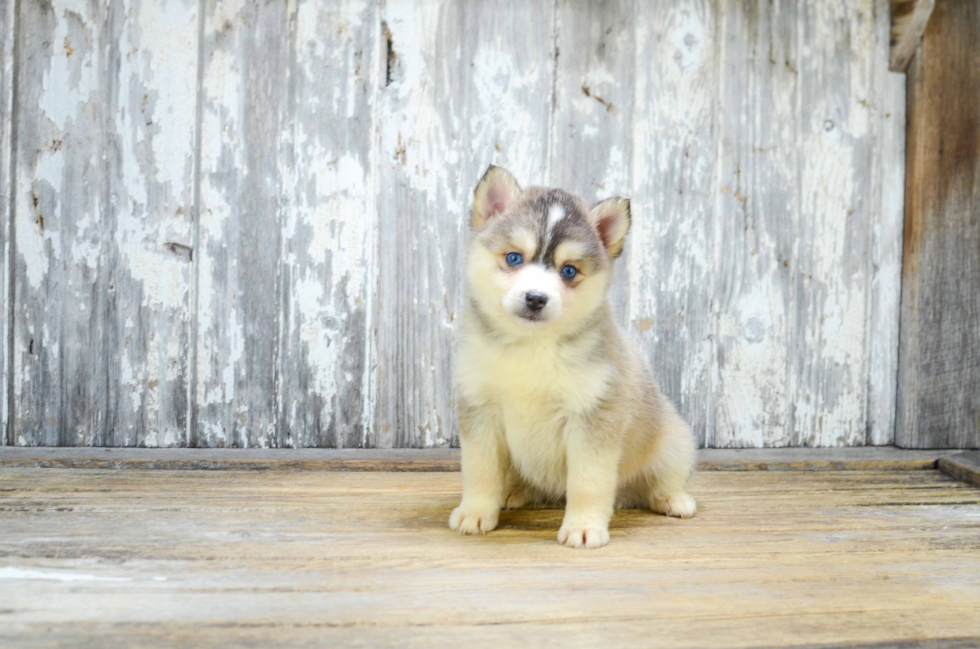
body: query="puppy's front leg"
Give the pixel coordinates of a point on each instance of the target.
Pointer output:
(484, 471)
(590, 491)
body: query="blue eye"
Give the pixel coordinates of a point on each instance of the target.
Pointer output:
(568, 271)
(514, 258)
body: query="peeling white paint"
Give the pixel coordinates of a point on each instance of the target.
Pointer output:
(70, 78)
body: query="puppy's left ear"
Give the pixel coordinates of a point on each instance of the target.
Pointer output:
(496, 191)
(611, 218)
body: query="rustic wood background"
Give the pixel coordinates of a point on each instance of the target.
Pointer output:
(242, 223)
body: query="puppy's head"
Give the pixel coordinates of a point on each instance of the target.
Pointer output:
(540, 259)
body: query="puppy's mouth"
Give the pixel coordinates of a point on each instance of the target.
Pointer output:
(530, 318)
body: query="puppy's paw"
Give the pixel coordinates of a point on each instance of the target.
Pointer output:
(473, 519)
(680, 505)
(583, 536)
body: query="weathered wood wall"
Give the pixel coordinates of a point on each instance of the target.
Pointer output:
(242, 223)
(939, 379)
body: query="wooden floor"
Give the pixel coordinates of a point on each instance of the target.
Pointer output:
(99, 558)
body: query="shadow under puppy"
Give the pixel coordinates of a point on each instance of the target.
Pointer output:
(554, 401)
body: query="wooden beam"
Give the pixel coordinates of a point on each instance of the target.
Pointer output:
(962, 466)
(939, 349)
(876, 458)
(909, 20)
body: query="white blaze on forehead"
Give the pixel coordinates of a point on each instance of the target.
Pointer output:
(555, 214)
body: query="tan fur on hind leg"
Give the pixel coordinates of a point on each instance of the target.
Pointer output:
(518, 496)
(669, 469)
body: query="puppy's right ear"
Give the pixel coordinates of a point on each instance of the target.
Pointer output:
(496, 191)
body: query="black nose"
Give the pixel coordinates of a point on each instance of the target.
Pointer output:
(535, 301)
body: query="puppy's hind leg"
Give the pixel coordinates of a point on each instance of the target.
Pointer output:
(669, 468)
(519, 492)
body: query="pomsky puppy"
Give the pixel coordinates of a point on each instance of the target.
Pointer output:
(554, 401)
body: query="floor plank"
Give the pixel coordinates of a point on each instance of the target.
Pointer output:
(245, 558)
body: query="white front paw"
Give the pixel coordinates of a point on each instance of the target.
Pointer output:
(470, 518)
(680, 505)
(583, 536)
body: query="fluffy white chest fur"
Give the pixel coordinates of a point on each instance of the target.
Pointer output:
(538, 388)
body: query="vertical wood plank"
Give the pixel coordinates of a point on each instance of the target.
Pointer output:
(103, 209)
(328, 220)
(591, 143)
(833, 274)
(674, 131)
(756, 225)
(61, 286)
(245, 86)
(939, 362)
(801, 205)
(7, 161)
(888, 169)
(148, 255)
(470, 83)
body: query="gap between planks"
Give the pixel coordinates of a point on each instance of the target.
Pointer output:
(962, 466)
